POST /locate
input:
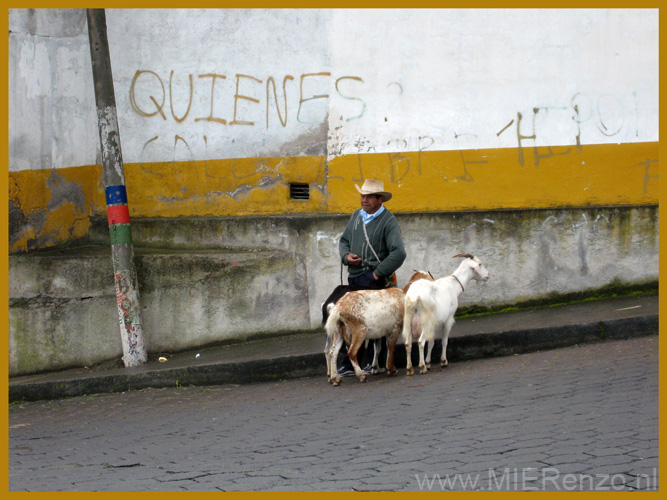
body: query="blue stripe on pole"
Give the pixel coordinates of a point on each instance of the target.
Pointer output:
(116, 195)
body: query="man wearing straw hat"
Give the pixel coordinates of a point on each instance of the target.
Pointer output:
(371, 246)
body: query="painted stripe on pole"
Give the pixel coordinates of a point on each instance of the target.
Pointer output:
(116, 195)
(118, 214)
(120, 233)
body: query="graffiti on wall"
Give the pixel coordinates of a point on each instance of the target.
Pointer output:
(164, 102)
(269, 103)
(155, 96)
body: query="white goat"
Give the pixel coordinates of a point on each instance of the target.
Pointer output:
(430, 307)
(362, 315)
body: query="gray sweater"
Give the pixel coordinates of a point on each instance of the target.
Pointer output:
(385, 237)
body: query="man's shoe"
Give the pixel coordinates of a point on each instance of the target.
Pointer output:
(368, 369)
(343, 371)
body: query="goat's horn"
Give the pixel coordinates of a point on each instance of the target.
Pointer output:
(429, 272)
(464, 255)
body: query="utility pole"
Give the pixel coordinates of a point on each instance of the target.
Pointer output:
(122, 250)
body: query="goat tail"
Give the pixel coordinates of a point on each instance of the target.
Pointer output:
(331, 327)
(411, 313)
(332, 322)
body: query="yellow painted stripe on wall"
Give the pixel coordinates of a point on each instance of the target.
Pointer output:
(56, 204)
(625, 174)
(247, 186)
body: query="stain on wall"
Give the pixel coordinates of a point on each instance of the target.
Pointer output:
(53, 207)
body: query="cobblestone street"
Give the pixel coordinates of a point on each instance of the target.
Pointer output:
(579, 418)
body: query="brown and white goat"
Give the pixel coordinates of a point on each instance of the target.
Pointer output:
(366, 315)
(430, 307)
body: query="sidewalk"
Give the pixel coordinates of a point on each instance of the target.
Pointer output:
(301, 355)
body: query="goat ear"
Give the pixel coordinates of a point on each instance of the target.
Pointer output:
(464, 255)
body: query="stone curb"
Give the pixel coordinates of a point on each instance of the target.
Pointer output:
(313, 364)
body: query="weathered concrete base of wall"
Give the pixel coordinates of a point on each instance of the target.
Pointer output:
(63, 304)
(209, 280)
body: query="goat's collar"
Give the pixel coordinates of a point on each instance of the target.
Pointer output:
(454, 276)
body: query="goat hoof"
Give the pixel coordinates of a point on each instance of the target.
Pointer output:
(423, 370)
(410, 372)
(444, 364)
(335, 382)
(362, 378)
(392, 372)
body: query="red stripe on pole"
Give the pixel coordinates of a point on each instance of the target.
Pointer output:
(118, 214)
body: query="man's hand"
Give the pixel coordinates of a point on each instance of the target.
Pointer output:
(353, 260)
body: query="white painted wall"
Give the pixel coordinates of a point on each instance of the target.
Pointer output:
(461, 76)
(397, 80)
(52, 120)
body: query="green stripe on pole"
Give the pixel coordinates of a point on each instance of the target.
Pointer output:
(120, 233)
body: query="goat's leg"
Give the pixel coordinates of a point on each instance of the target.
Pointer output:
(429, 349)
(427, 335)
(327, 353)
(391, 346)
(408, 356)
(406, 336)
(334, 344)
(431, 344)
(422, 364)
(352, 351)
(334, 378)
(389, 360)
(326, 356)
(375, 365)
(445, 338)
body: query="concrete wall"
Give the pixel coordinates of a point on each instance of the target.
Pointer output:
(527, 137)
(61, 306)
(199, 84)
(220, 110)
(206, 280)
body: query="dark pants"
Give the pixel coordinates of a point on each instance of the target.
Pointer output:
(367, 280)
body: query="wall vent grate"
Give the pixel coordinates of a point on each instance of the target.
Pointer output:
(299, 191)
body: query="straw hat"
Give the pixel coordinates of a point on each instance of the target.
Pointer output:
(371, 186)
